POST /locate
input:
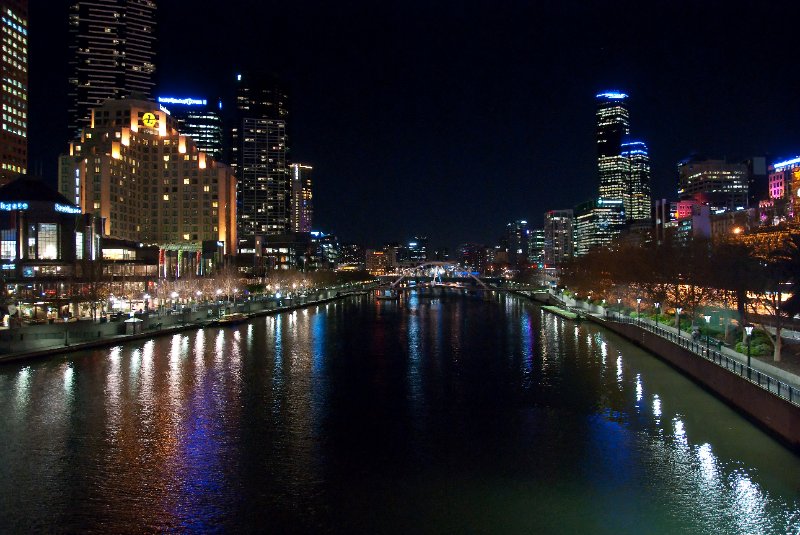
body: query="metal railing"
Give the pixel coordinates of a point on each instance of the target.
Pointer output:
(703, 349)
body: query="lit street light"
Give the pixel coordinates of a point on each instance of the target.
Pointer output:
(748, 329)
(619, 309)
(638, 302)
(678, 319)
(708, 321)
(658, 311)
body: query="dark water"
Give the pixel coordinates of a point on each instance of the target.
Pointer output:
(450, 415)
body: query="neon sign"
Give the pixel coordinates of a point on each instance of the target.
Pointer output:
(613, 95)
(188, 101)
(13, 206)
(788, 163)
(67, 209)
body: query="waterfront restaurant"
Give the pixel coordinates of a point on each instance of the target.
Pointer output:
(40, 240)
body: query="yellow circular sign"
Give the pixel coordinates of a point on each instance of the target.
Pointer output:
(149, 119)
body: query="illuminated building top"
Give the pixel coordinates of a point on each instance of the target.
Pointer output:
(612, 95)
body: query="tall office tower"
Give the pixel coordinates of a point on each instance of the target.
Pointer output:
(199, 120)
(259, 155)
(596, 224)
(536, 247)
(302, 198)
(637, 199)
(720, 185)
(148, 182)
(613, 127)
(14, 91)
(112, 54)
(558, 239)
(417, 251)
(517, 239)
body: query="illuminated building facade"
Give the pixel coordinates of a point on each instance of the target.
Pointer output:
(40, 235)
(597, 224)
(352, 257)
(613, 127)
(558, 236)
(377, 262)
(199, 120)
(259, 155)
(784, 192)
(472, 257)
(302, 197)
(132, 168)
(720, 185)
(14, 89)
(637, 197)
(417, 251)
(112, 54)
(518, 236)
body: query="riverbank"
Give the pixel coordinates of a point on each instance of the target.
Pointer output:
(153, 326)
(773, 413)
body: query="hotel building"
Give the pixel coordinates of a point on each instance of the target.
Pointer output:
(149, 183)
(14, 89)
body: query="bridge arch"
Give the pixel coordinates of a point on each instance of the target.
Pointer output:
(407, 271)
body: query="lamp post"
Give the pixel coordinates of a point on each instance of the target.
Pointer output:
(174, 296)
(638, 302)
(749, 330)
(708, 321)
(678, 319)
(658, 311)
(619, 309)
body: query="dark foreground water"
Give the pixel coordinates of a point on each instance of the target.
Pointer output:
(450, 415)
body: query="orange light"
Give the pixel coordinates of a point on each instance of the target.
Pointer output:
(737, 230)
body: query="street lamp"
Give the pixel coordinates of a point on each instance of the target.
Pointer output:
(638, 302)
(174, 296)
(619, 309)
(708, 322)
(748, 329)
(678, 319)
(658, 311)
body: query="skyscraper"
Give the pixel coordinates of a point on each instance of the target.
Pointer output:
(613, 127)
(720, 185)
(112, 54)
(518, 235)
(558, 236)
(148, 183)
(259, 155)
(199, 120)
(637, 199)
(14, 89)
(302, 198)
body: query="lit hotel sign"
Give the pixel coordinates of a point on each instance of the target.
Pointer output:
(13, 206)
(188, 101)
(67, 209)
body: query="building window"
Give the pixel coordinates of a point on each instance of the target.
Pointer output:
(79, 245)
(47, 242)
(8, 245)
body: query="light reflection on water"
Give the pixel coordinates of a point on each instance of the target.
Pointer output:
(437, 413)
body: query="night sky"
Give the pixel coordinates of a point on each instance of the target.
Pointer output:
(452, 118)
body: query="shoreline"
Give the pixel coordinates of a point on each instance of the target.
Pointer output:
(772, 414)
(10, 358)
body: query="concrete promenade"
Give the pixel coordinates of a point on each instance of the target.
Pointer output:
(59, 338)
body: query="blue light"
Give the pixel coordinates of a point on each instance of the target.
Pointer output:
(185, 101)
(67, 209)
(13, 206)
(239, 77)
(613, 95)
(788, 163)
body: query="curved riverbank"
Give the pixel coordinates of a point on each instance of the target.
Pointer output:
(153, 326)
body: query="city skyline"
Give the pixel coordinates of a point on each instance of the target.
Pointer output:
(388, 119)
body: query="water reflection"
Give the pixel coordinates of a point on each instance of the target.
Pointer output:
(365, 415)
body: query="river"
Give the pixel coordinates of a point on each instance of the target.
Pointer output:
(451, 414)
